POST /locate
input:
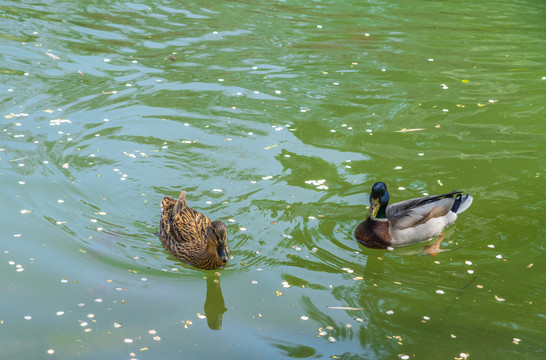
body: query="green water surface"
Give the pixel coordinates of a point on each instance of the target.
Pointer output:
(276, 117)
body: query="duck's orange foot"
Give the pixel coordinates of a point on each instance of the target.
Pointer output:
(433, 249)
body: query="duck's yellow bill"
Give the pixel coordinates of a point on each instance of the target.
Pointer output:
(374, 208)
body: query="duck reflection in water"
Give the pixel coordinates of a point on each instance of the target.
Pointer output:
(215, 306)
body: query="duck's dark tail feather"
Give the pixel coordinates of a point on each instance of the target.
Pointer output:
(461, 203)
(179, 204)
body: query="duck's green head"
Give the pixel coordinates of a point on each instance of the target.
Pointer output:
(379, 199)
(217, 234)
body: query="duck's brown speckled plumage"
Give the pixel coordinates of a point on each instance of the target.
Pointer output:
(191, 236)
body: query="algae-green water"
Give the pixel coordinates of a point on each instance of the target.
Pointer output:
(276, 117)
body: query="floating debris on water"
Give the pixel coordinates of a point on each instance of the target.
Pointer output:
(344, 308)
(318, 183)
(53, 56)
(57, 122)
(409, 130)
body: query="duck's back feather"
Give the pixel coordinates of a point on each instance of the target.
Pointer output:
(413, 203)
(420, 214)
(419, 219)
(186, 224)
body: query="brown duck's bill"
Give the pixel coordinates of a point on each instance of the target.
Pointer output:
(223, 255)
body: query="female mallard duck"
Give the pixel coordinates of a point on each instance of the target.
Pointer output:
(191, 236)
(408, 222)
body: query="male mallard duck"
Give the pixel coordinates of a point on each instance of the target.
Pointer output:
(408, 222)
(190, 236)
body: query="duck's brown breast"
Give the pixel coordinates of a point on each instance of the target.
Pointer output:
(374, 234)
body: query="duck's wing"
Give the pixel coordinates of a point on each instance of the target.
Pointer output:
(190, 225)
(413, 212)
